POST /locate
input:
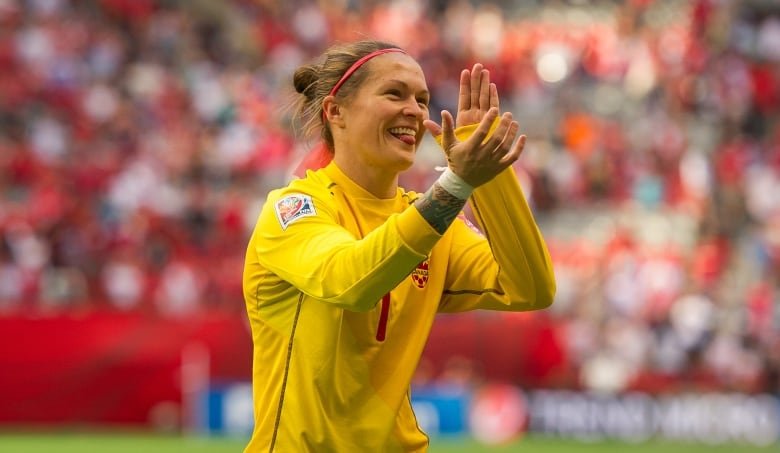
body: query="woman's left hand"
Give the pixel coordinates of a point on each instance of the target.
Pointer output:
(476, 97)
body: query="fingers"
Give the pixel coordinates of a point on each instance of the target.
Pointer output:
(500, 134)
(484, 91)
(515, 152)
(502, 139)
(484, 127)
(494, 96)
(464, 94)
(434, 128)
(476, 83)
(506, 132)
(475, 91)
(448, 130)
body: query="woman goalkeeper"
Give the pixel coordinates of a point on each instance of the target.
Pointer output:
(345, 271)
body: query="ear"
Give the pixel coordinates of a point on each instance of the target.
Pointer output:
(332, 111)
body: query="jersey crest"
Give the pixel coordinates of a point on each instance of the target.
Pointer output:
(294, 207)
(420, 274)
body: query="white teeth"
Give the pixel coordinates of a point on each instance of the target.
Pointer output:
(403, 131)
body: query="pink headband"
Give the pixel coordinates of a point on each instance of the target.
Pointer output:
(356, 65)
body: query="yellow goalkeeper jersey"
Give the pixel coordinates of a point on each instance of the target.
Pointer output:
(341, 290)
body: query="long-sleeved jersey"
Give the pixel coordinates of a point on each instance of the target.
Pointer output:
(341, 290)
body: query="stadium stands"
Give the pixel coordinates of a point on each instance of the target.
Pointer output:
(138, 139)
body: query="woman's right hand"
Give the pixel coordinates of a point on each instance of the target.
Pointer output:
(477, 160)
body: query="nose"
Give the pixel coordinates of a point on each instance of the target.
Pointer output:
(413, 108)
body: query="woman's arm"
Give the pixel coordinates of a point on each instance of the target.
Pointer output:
(509, 268)
(322, 259)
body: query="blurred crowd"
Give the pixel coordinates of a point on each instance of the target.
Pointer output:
(138, 139)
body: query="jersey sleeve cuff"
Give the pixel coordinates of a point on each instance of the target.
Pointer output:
(416, 232)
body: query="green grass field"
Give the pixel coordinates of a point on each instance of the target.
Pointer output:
(141, 443)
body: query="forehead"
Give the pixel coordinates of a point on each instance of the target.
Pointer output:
(395, 66)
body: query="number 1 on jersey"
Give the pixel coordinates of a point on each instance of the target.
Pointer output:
(381, 329)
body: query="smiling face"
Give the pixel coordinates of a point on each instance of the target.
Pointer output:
(380, 124)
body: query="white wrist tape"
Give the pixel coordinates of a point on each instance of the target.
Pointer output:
(455, 185)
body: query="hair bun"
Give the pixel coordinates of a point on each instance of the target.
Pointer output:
(304, 79)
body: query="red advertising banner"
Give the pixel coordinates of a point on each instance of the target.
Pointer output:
(112, 367)
(137, 369)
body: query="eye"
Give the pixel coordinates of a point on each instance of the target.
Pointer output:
(393, 93)
(423, 102)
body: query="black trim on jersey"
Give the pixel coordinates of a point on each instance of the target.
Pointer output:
(286, 372)
(417, 423)
(476, 291)
(456, 292)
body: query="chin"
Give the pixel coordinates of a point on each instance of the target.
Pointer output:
(406, 165)
(406, 159)
(400, 164)
(400, 159)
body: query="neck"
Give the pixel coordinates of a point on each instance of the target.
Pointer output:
(380, 182)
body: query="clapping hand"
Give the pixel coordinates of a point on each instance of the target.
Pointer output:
(479, 158)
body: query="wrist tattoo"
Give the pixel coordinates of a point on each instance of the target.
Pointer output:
(439, 207)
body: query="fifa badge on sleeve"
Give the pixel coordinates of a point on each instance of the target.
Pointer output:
(294, 207)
